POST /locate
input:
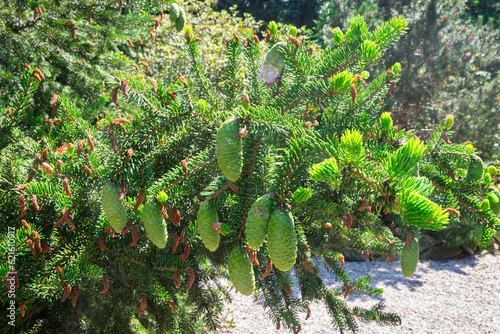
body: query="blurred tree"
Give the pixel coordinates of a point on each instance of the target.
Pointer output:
(450, 62)
(297, 12)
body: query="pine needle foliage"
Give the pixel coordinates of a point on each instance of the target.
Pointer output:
(317, 127)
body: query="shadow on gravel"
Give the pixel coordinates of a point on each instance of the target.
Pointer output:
(390, 276)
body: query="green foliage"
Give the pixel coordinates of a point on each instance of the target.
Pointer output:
(208, 159)
(449, 63)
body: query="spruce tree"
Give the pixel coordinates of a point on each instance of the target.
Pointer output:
(129, 210)
(450, 64)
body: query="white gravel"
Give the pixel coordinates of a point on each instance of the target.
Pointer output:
(457, 296)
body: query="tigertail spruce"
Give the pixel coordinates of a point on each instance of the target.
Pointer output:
(241, 271)
(113, 208)
(258, 220)
(154, 223)
(282, 240)
(207, 215)
(229, 150)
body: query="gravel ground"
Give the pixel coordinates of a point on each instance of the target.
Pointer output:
(455, 296)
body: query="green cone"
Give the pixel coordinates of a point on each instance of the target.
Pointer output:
(155, 224)
(207, 215)
(494, 198)
(174, 12)
(241, 271)
(181, 20)
(409, 258)
(258, 219)
(229, 150)
(113, 208)
(281, 240)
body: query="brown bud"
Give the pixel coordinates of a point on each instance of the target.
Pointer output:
(88, 171)
(135, 235)
(130, 42)
(242, 132)
(21, 304)
(140, 198)
(347, 289)
(67, 218)
(129, 154)
(59, 270)
(256, 298)
(25, 225)
(164, 211)
(455, 212)
(390, 257)
(91, 143)
(191, 278)
(236, 37)
(445, 138)
(390, 72)
(175, 216)
(127, 227)
(349, 223)
(21, 187)
(79, 147)
(269, 268)
(144, 304)
(109, 231)
(310, 50)
(59, 222)
(172, 95)
(114, 95)
(105, 283)
(308, 124)
(175, 244)
(227, 42)
(45, 248)
(342, 260)
(305, 260)
(288, 291)
(56, 122)
(123, 189)
(113, 143)
(140, 41)
(278, 326)
(184, 165)
(256, 39)
(268, 36)
(67, 290)
(176, 277)
(47, 168)
(367, 256)
(125, 87)
(172, 304)
(120, 5)
(354, 94)
(59, 163)
(22, 204)
(101, 243)
(36, 238)
(187, 249)
(74, 296)
(66, 187)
